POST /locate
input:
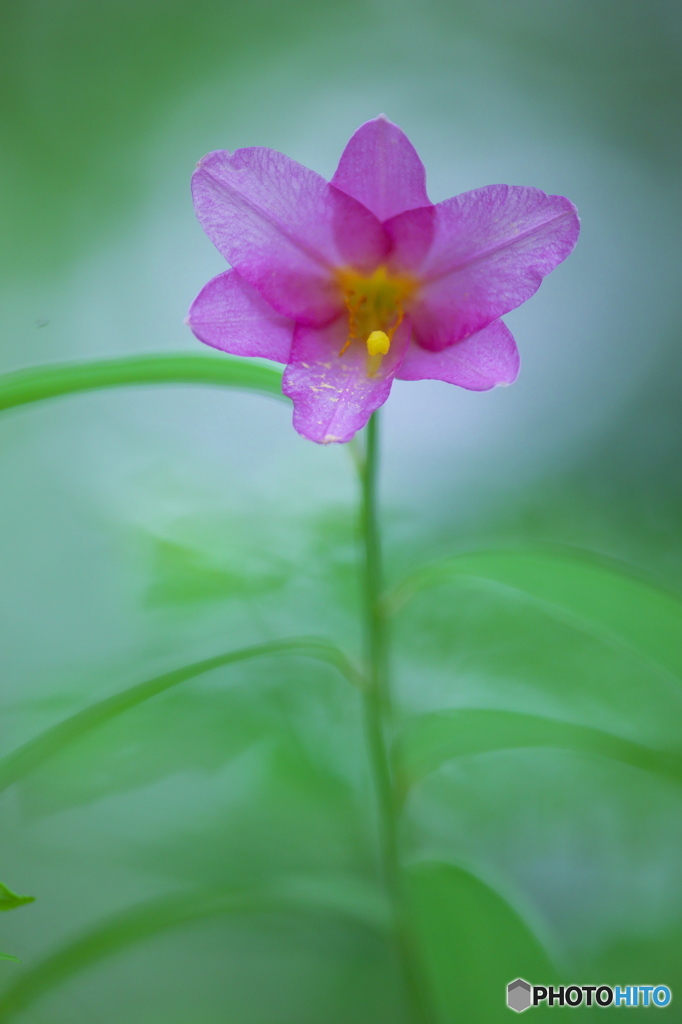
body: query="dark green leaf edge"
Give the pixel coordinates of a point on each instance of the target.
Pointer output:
(30, 755)
(138, 923)
(36, 384)
(431, 740)
(10, 901)
(592, 594)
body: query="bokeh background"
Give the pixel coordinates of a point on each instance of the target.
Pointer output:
(145, 528)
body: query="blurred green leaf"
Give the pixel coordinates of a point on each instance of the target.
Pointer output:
(10, 901)
(330, 897)
(276, 763)
(596, 596)
(36, 751)
(431, 740)
(93, 84)
(39, 383)
(474, 944)
(179, 732)
(183, 575)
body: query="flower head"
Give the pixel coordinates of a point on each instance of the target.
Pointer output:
(354, 282)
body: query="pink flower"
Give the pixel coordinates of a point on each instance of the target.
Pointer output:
(359, 281)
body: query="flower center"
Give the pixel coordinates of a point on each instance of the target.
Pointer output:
(376, 306)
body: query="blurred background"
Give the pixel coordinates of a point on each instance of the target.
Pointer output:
(145, 528)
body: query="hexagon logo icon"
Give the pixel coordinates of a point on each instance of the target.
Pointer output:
(518, 995)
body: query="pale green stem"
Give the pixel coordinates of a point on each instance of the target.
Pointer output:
(377, 709)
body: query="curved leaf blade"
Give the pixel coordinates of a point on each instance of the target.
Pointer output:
(474, 943)
(35, 752)
(36, 384)
(431, 740)
(144, 921)
(591, 594)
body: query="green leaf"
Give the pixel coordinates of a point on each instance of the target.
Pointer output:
(267, 710)
(183, 575)
(593, 595)
(36, 751)
(343, 898)
(39, 383)
(474, 943)
(433, 739)
(10, 901)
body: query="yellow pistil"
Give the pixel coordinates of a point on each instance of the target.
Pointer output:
(375, 305)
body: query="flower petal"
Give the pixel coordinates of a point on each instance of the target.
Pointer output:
(380, 168)
(411, 236)
(284, 228)
(332, 394)
(478, 363)
(231, 315)
(490, 250)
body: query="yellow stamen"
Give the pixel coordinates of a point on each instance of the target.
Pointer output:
(378, 343)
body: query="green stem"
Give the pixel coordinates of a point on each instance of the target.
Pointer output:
(377, 712)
